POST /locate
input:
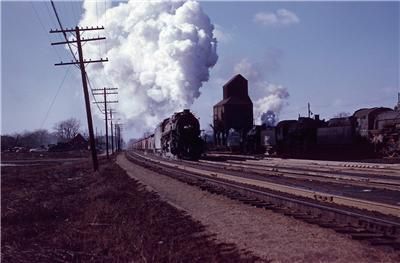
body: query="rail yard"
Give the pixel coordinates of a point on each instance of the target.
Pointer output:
(364, 211)
(200, 131)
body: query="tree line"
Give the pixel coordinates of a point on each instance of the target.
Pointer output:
(63, 131)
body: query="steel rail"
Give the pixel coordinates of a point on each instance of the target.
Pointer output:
(391, 169)
(290, 172)
(360, 225)
(315, 195)
(392, 172)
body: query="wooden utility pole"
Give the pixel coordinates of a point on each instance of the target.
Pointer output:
(116, 137)
(81, 62)
(105, 113)
(112, 134)
(105, 93)
(119, 145)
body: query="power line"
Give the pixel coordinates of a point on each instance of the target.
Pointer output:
(74, 54)
(44, 29)
(62, 29)
(82, 63)
(94, 97)
(55, 97)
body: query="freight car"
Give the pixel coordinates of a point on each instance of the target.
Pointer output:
(367, 133)
(176, 137)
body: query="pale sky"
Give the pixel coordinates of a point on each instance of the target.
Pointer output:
(339, 56)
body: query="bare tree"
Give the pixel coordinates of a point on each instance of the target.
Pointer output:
(342, 114)
(68, 129)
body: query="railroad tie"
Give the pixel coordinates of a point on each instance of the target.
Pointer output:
(325, 224)
(385, 242)
(348, 229)
(366, 235)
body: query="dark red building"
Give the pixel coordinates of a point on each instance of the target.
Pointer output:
(234, 111)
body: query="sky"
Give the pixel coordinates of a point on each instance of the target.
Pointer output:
(337, 56)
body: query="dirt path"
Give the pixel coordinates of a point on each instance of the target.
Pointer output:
(267, 234)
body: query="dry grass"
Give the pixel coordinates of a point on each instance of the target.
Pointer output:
(68, 214)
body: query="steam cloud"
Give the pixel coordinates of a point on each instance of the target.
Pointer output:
(271, 97)
(267, 109)
(159, 55)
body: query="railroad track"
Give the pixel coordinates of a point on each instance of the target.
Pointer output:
(363, 220)
(384, 192)
(344, 167)
(331, 176)
(389, 170)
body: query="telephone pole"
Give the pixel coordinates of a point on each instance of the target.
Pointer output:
(116, 137)
(309, 110)
(81, 62)
(112, 134)
(105, 93)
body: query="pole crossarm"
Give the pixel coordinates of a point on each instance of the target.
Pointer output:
(73, 29)
(81, 61)
(106, 89)
(78, 62)
(75, 41)
(107, 93)
(102, 102)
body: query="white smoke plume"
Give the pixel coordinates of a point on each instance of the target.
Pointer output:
(271, 105)
(160, 53)
(270, 98)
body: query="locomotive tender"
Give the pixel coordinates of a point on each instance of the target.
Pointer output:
(368, 132)
(175, 137)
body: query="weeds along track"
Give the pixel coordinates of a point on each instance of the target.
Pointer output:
(377, 223)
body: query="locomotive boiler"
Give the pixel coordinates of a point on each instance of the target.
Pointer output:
(177, 137)
(180, 136)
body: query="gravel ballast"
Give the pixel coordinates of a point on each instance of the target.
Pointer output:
(266, 234)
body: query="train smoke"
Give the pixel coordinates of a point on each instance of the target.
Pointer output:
(268, 108)
(271, 97)
(160, 53)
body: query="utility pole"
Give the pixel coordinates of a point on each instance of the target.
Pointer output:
(105, 113)
(96, 139)
(116, 137)
(81, 62)
(105, 93)
(309, 110)
(112, 136)
(119, 137)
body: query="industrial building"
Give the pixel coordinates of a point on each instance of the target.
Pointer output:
(234, 111)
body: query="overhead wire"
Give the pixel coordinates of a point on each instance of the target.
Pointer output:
(44, 29)
(55, 97)
(74, 54)
(62, 29)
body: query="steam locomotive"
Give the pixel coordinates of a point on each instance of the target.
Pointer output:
(176, 137)
(373, 132)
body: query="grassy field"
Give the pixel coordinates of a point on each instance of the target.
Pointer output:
(67, 213)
